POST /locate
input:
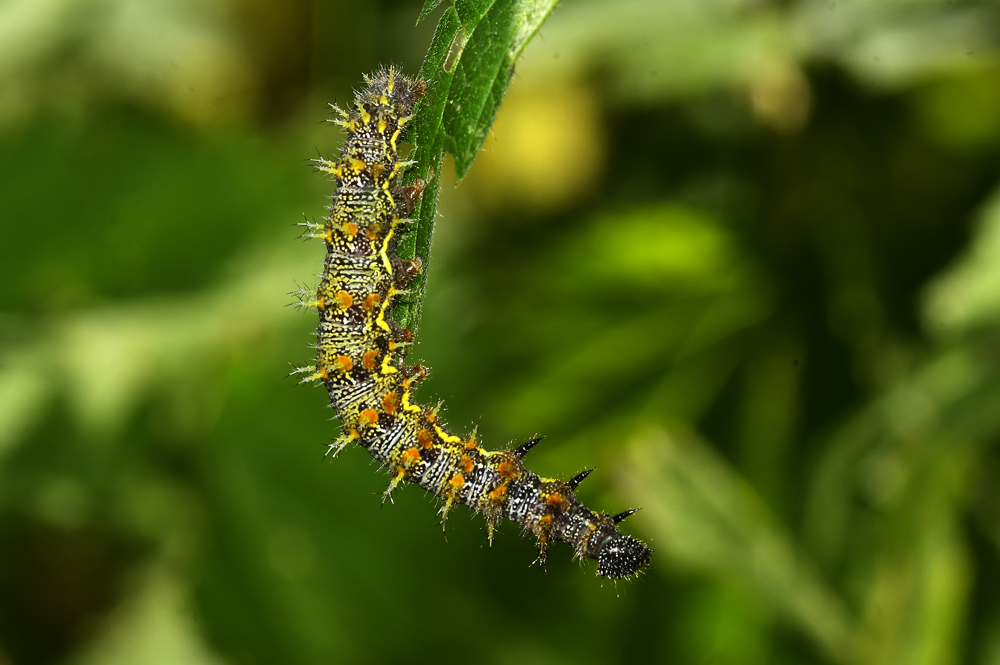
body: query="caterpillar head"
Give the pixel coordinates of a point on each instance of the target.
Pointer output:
(622, 556)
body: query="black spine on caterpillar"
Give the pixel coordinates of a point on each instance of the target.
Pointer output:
(361, 351)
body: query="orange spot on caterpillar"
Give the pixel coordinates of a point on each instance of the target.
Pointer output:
(425, 438)
(471, 444)
(499, 494)
(350, 230)
(343, 299)
(507, 469)
(368, 417)
(457, 481)
(377, 171)
(372, 301)
(555, 499)
(374, 231)
(467, 464)
(358, 165)
(343, 363)
(545, 521)
(370, 360)
(411, 456)
(328, 235)
(323, 374)
(391, 402)
(321, 303)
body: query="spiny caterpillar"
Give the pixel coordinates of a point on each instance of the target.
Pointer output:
(361, 351)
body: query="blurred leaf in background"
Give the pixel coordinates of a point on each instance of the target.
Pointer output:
(741, 256)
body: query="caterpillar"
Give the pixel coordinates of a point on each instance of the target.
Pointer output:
(360, 355)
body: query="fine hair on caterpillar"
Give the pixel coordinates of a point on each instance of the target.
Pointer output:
(361, 352)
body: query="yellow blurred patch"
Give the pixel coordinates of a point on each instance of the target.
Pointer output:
(545, 148)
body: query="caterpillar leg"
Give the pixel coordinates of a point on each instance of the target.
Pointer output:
(543, 552)
(407, 197)
(404, 272)
(342, 442)
(450, 499)
(312, 374)
(393, 484)
(413, 374)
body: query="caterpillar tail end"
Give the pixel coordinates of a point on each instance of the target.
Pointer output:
(622, 557)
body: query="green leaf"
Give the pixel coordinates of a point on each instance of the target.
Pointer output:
(483, 73)
(472, 11)
(704, 516)
(467, 69)
(429, 7)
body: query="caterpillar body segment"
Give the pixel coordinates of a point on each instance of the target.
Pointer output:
(360, 351)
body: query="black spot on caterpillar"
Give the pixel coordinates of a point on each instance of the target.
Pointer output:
(361, 353)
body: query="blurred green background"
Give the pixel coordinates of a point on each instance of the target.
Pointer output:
(741, 255)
